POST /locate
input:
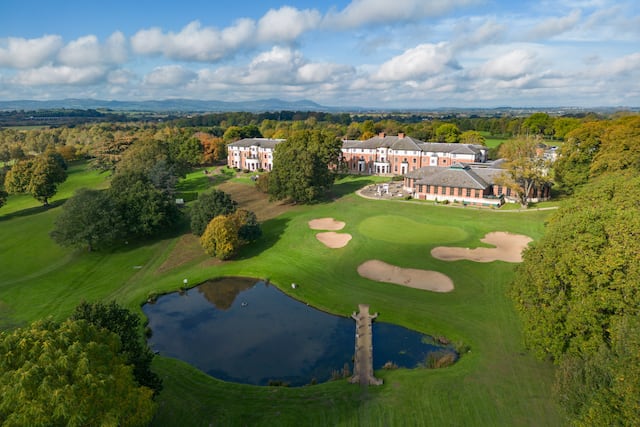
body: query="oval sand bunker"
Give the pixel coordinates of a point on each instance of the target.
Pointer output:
(413, 278)
(326, 224)
(334, 240)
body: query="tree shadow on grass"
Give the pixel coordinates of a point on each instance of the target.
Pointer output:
(272, 230)
(32, 211)
(346, 187)
(133, 242)
(200, 183)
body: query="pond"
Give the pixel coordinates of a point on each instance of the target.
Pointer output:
(247, 331)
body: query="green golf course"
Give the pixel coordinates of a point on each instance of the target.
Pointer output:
(494, 383)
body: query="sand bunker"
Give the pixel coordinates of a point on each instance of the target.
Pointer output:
(326, 224)
(330, 239)
(419, 279)
(334, 240)
(508, 248)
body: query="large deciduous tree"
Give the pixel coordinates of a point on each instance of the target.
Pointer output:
(525, 168)
(220, 239)
(18, 177)
(214, 149)
(538, 124)
(225, 234)
(577, 293)
(572, 168)
(68, 374)
(302, 166)
(619, 148)
(89, 219)
(126, 325)
(145, 208)
(448, 132)
(108, 150)
(38, 176)
(472, 137)
(208, 206)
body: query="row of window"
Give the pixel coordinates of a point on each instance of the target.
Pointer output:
(457, 191)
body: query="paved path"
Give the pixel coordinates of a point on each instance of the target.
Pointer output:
(363, 360)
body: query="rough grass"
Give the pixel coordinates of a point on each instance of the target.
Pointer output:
(496, 383)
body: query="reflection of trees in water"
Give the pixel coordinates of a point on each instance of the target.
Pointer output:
(222, 292)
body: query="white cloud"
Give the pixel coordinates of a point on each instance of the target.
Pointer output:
(120, 77)
(623, 66)
(278, 71)
(169, 75)
(417, 63)
(510, 66)
(278, 65)
(286, 24)
(488, 32)
(207, 44)
(193, 42)
(18, 52)
(365, 12)
(87, 50)
(324, 72)
(554, 26)
(60, 75)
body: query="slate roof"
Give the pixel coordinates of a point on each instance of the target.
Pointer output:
(260, 142)
(388, 141)
(457, 175)
(408, 143)
(444, 147)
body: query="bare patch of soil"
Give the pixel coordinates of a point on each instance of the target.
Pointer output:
(251, 199)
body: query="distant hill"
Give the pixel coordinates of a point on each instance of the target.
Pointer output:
(269, 105)
(168, 105)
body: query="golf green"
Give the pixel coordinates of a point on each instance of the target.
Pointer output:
(398, 229)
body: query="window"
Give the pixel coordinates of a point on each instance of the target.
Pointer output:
(443, 190)
(428, 189)
(499, 190)
(468, 192)
(414, 160)
(451, 191)
(435, 189)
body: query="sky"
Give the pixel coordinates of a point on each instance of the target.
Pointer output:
(365, 53)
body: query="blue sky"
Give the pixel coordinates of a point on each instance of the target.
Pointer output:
(369, 53)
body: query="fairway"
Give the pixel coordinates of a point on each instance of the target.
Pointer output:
(494, 383)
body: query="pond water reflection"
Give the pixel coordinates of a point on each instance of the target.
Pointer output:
(244, 330)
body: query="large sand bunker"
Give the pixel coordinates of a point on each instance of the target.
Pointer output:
(334, 240)
(326, 224)
(419, 279)
(508, 248)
